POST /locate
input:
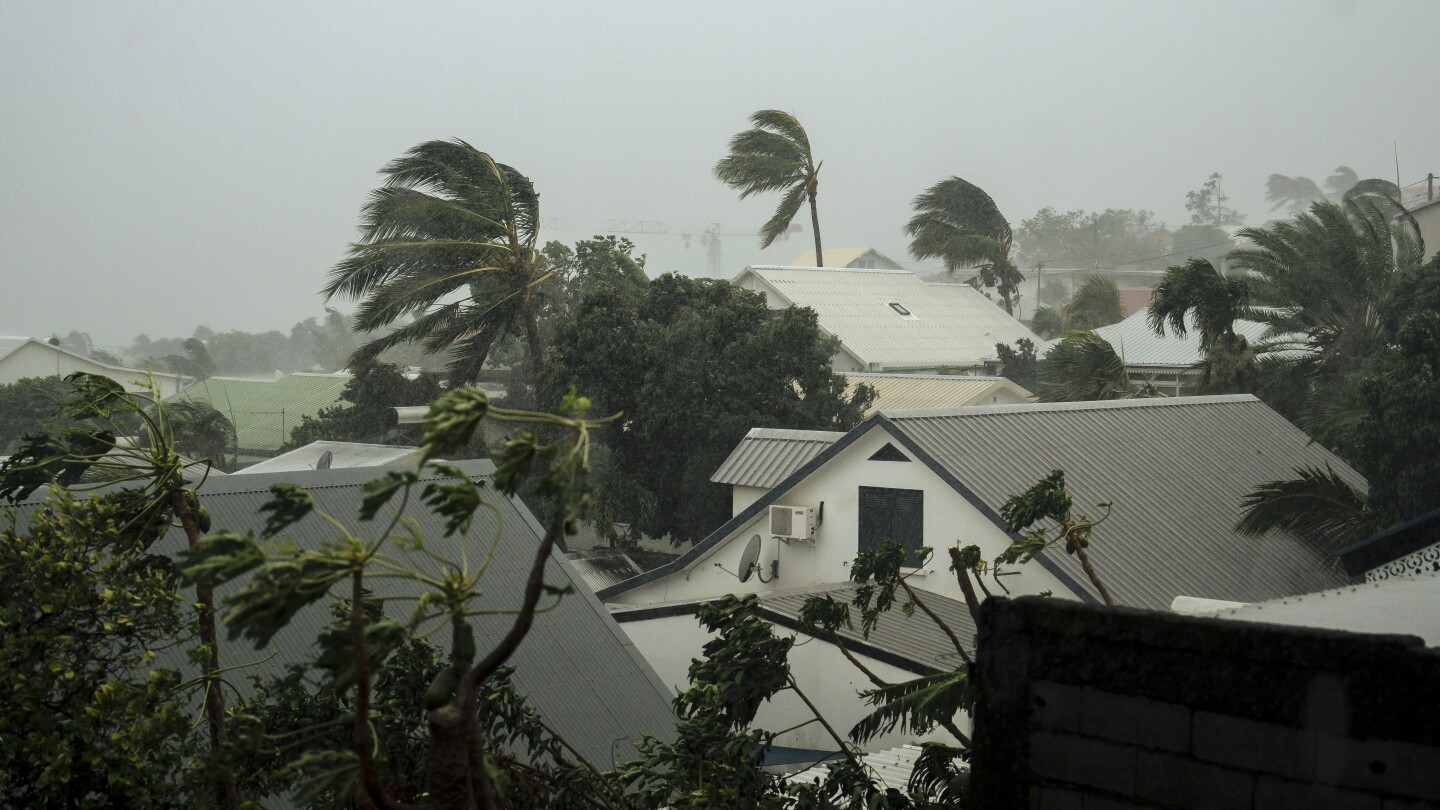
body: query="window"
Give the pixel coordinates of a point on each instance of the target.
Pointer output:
(902, 311)
(893, 514)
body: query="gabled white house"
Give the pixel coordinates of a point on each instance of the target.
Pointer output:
(895, 392)
(861, 258)
(22, 357)
(1175, 470)
(890, 320)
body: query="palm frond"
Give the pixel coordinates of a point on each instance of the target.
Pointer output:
(780, 222)
(1082, 366)
(915, 707)
(1318, 506)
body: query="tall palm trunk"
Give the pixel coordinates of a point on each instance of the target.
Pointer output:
(815, 224)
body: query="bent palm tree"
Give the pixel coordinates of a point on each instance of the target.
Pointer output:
(775, 155)
(1319, 506)
(956, 221)
(1195, 295)
(449, 241)
(1082, 367)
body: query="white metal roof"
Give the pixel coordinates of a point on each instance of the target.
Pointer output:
(947, 324)
(892, 767)
(1138, 344)
(842, 257)
(904, 391)
(766, 456)
(342, 455)
(1400, 605)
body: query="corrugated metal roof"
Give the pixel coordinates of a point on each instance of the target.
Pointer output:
(905, 391)
(577, 667)
(916, 638)
(1175, 470)
(342, 455)
(843, 257)
(767, 455)
(949, 324)
(892, 767)
(1138, 344)
(1400, 605)
(265, 411)
(600, 569)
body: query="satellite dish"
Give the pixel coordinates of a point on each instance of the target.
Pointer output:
(325, 459)
(749, 557)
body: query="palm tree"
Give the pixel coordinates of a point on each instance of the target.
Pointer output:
(956, 221)
(201, 431)
(1319, 506)
(448, 242)
(1195, 295)
(773, 156)
(1084, 366)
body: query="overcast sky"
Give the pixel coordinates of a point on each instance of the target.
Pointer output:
(165, 165)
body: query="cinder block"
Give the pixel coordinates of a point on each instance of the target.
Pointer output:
(1049, 798)
(1403, 770)
(1055, 706)
(1252, 746)
(1176, 781)
(1282, 794)
(1139, 721)
(1082, 761)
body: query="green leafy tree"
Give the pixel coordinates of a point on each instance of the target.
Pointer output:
(202, 432)
(693, 365)
(364, 416)
(449, 240)
(27, 405)
(1195, 293)
(1047, 322)
(1207, 205)
(1045, 514)
(774, 155)
(1084, 366)
(957, 222)
(1105, 239)
(1018, 363)
(1095, 304)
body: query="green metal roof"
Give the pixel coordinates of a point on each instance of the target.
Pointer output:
(265, 411)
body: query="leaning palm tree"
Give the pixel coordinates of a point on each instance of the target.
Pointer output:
(774, 156)
(1319, 506)
(1082, 367)
(955, 220)
(1195, 295)
(449, 244)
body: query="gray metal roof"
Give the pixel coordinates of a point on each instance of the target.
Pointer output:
(914, 638)
(577, 667)
(1175, 470)
(767, 456)
(906, 391)
(893, 767)
(1400, 605)
(1138, 344)
(601, 570)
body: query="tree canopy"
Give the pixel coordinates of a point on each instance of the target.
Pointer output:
(957, 222)
(774, 155)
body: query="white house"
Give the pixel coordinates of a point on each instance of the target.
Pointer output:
(861, 258)
(22, 357)
(1427, 217)
(895, 392)
(890, 320)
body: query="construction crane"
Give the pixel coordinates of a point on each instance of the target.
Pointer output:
(711, 235)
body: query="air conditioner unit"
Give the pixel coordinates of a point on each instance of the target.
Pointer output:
(792, 522)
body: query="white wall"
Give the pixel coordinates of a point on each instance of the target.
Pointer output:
(830, 681)
(949, 520)
(35, 359)
(1428, 218)
(741, 497)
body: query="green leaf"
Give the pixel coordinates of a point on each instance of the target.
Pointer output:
(379, 491)
(289, 504)
(452, 421)
(220, 558)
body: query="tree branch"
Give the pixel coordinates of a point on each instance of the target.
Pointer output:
(910, 592)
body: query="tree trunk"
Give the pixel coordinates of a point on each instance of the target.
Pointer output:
(533, 342)
(815, 225)
(1090, 572)
(225, 794)
(963, 574)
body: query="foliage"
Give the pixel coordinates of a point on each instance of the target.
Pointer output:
(311, 345)
(1084, 366)
(202, 432)
(1053, 292)
(1107, 239)
(1095, 304)
(775, 156)
(956, 221)
(1319, 506)
(89, 720)
(364, 416)
(602, 262)
(1049, 504)
(194, 363)
(1195, 294)
(28, 405)
(693, 365)
(1018, 364)
(1296, 194)
(1048, 323)
(449, 240)
(1207, 205)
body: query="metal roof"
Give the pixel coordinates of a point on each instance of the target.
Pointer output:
(766, 456)
(577, 667)
(842, 257)
(948, 324)
(1400, 605)
(892, 767)
(1138, 344)
(897, 391)
(1392, 544)
(265, 411)
(1175, 470)
(601, 569)
(914, 638)
(342, 456)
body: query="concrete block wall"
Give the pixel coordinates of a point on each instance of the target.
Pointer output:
(1082, 707)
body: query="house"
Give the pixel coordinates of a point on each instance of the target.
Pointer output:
(22, 357)
(894, 392)
(861, 258)
(326, 455)
(890, 320)
(1169, 362)
(1413, 547)
(577, 666)
(1175, 470)
(264, 411)
(1427, 218)
(1403, 605)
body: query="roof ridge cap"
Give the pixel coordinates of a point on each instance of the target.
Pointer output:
(1089, 405)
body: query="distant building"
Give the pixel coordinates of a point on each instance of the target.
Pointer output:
(910, 391)
(22, 357)
(1427, 216)
(890, 320)
(265, 411)
(325, 455)
(860, 258)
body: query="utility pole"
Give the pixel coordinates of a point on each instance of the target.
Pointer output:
(711, 238)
